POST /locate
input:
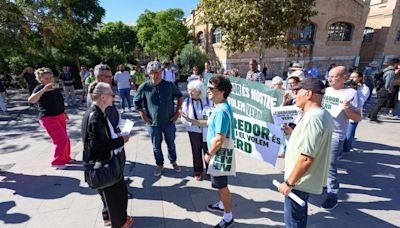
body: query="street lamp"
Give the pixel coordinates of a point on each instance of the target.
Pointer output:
(123, 44)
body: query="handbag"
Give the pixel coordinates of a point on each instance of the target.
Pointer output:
(223, 163)
(104, 174)
(100, 175)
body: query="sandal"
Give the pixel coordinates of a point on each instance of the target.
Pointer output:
(128, 223)
(107, 222)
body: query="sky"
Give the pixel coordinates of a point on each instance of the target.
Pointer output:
(128, 11)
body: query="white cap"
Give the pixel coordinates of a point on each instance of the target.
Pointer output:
(297, 73)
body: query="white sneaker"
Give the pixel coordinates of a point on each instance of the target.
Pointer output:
(121, 111)
(58, 166)
(132, 109)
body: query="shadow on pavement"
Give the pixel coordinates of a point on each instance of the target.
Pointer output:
(11, 218)
(179, 193)
(372, 183)
(43, 186)
(165, 222)
(368, 146)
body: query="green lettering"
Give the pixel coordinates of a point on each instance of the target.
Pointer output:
(247, 127)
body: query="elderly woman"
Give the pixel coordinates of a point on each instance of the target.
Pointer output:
(52, 115)
(100, 144)
(196, 107)
(277, 83)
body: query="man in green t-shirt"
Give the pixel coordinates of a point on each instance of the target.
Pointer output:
(91, 78)
(138, 77)
(307, 156)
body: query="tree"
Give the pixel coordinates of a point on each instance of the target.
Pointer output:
(118, 37)
(162, 32)
(64, 25)
(257, 24)
(191, 55)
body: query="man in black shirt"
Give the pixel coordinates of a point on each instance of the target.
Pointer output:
(68, 83)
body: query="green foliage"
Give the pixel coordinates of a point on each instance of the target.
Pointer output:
(46, 32)
(191, 55)
(256, 24)
(162, 32)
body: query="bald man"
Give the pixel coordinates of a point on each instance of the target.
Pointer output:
(343, 104)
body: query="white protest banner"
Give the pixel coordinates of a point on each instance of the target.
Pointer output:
(255, 134)
(258, 139)
(333, 103)
(285, 114)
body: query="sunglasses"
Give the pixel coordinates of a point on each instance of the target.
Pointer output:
(211, 88)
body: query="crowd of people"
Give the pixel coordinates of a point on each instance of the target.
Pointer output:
(312, 147)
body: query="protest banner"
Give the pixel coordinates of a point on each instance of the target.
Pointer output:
(285, 114)
(333, 103)
(255, 133)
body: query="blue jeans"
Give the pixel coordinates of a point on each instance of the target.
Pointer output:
(296, 215)
(125, 94)
(333, 183)
(156, 133)
(351, 132)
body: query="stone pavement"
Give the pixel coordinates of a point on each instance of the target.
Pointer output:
(32, 194)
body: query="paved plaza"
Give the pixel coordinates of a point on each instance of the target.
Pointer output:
(32, 194)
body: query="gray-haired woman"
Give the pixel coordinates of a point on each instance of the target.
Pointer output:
(100, 141)
(196, 106)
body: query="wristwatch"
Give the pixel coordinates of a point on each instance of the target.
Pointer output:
(289, 185)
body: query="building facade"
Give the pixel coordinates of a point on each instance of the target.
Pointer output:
(333, 36)
(381, 39)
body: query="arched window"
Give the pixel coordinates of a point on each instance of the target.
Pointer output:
(217, 35)
(340, 31)
(200, 39)
(368, 35)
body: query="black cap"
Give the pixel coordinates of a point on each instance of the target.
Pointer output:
(313, 84)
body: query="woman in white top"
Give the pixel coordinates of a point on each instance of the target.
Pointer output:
(197, 106)
(363, 93)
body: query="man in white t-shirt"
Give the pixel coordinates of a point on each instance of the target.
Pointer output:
(343, 104)
(168, 74)
(124, 81)
(83, 73)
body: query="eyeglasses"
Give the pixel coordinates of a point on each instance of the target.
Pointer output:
(211, 88)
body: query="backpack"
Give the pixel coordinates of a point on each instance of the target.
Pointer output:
(164, 73)
(379, 83)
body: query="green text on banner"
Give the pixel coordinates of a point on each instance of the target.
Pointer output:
(251, 102)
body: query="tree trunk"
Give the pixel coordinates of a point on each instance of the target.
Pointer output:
(261, 55)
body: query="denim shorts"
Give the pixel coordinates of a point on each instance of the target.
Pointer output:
(219, 182)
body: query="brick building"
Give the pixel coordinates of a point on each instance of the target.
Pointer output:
(334, 36)
(381, 39)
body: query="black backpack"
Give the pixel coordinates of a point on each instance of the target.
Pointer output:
(379, 83)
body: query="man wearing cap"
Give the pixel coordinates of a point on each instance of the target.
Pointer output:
(343, 104)
(154, 100)
(307, 156)
(254, 74)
